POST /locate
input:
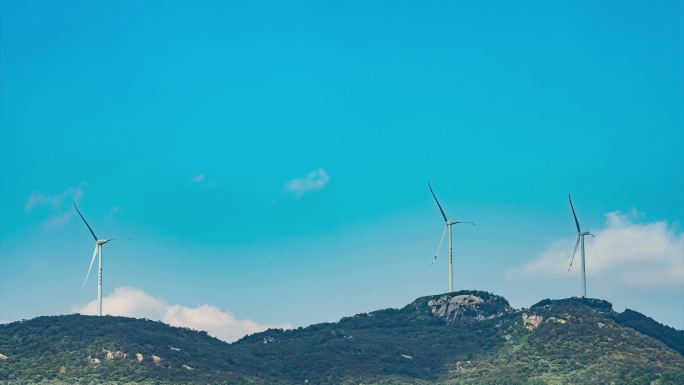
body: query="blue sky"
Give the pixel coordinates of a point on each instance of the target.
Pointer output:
(181, 126)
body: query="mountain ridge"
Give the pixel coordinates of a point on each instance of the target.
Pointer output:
(462, 337)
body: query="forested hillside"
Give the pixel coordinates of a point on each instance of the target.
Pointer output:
(467, 337)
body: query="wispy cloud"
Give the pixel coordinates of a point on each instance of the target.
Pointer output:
(55, 202)
(201, 179)
(315, 181)
(57, 220)
(645, 255)
(114, 211)
(132, 302)
(39, 263)
(57, 205)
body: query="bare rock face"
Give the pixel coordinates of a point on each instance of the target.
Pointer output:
(2, 357)
(532, 322)
(561, 321)
(464, 366)
(157, 360)
(139, 357)
(467, 306)
(112, 355)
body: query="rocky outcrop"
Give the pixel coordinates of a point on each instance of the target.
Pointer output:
(557, 320)
(139, 357)
(467, 306)
(112, 355)
(532, 322)
(156, 359)
(464, 366)
(2, 357)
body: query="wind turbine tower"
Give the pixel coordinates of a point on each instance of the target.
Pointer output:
(580, 240)
(447, 229)
(96, 253)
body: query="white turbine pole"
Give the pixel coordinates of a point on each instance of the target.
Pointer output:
(97, 252)
(448, 228)
(451, 263)
(584, 275)
(99, 284)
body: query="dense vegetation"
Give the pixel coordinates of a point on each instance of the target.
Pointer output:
(67, 347)
(572, 341)
(578, 343)
(639, 322)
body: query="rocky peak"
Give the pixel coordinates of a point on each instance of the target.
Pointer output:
(465, 306)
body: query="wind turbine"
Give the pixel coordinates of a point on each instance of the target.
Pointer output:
(97, 252)
(580, 239)
(447, 228)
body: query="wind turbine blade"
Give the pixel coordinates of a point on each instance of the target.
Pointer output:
(84, 221)
(114, 239)
(91, 265)
(574, 252)
(592, 235)
(441, 241)
(438, 205)
(471, 223)
(574, 214)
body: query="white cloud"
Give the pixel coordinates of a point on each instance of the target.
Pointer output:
(39, 198)
(644, 255)
(132, 302)
(39, 263)
(113, 213)
(57, 220)
(57, 204)
(315, 181)
(128, 302)
(202, 180)
(197, 178)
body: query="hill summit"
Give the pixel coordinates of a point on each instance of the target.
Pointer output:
(464, 337)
